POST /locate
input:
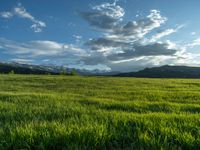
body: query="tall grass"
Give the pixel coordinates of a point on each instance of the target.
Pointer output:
(58, 112)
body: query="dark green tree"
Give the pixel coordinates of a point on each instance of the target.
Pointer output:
(63, 72)
(12, 72)
(74, 72)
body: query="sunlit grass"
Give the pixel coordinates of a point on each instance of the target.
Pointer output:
(58, 112)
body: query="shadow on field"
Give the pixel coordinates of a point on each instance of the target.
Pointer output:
(191, 109)
(128, 108)
(143, 107)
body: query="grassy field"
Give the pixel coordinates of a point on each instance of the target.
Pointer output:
(60, 112)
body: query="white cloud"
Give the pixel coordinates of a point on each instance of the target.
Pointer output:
(111, 10)
(6, 14)
(164, 33)
(47, 45)
(193, 33)
(21, 12)
(21, 60)
(196, 42)
(43, 49)
(77, 38)
(156, 19)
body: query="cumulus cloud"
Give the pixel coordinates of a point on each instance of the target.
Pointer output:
(104, 16)
(126, 43)
(21, 12)
(109, 17)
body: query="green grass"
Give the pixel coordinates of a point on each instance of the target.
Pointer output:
(58, 112)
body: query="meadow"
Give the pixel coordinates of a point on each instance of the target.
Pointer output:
(86, 113)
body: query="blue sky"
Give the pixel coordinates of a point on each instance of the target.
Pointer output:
(123, 35)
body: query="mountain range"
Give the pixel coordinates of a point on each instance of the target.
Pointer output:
(155, 72)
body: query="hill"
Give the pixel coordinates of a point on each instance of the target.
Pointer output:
(165, 72)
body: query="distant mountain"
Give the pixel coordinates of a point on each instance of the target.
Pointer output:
(165, 72)
(24, 69)
(20, 68)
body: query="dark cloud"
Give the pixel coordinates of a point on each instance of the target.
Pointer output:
(156, 49)
(98, 44)
(99, 20)
(95, 59)
(123, 50)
